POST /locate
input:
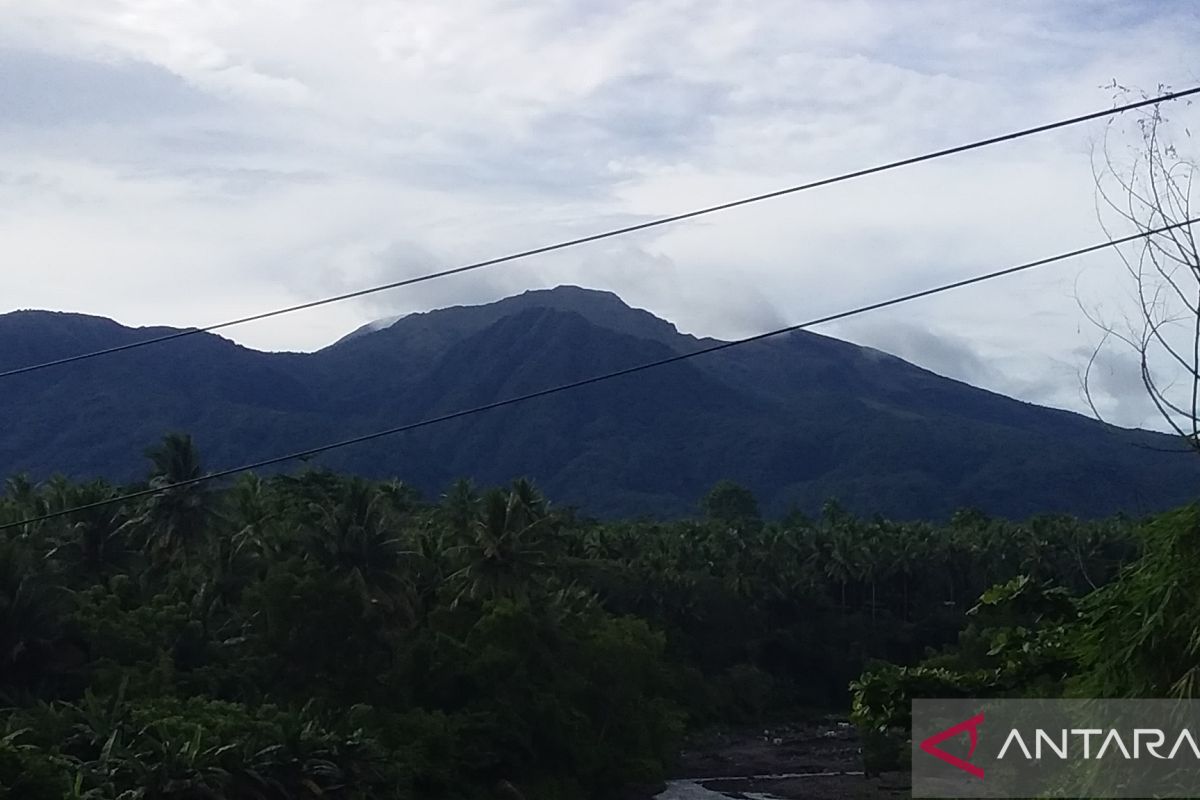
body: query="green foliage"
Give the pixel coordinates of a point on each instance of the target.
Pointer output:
(325, 636)
(167, 748)
(1140, 635)
(28, 772)
(881, 706)
(1016, 642)
(1135, 635)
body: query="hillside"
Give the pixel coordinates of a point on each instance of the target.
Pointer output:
(800, 419)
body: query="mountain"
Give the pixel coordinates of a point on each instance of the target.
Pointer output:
(799, 419)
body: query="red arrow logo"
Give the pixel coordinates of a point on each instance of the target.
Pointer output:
(971, 725)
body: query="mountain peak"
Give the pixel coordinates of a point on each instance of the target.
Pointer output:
(568, 296)
(798, 422)
(599, 307)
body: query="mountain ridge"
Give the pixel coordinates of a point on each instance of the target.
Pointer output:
(799, 419)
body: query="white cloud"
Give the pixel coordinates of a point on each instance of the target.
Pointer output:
(184, 162)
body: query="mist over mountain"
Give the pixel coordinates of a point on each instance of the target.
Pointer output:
(800, 419)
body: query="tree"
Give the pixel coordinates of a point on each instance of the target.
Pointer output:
(30, 619)
(839, 548)
(357, 539)
(327, 636)
(175, 519)
(23, 498)
(93, 541)
(507, 546)
(731, 504)
(1141, 633)
(460, 506)
(1142, 186)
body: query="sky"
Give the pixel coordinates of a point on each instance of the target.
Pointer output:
(183, 162)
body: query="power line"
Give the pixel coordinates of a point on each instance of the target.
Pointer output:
(641, 226)
(313, 451)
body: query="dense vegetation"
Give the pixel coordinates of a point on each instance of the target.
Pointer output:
(1137, 635)
(323, 636)
(797, 420)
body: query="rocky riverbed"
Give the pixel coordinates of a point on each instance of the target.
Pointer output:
(820, 760)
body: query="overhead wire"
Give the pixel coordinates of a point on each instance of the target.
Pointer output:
(608, 234)
(608, 376)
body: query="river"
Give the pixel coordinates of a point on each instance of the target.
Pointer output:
(815, 761)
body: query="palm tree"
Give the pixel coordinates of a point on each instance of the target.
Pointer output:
(29, 621)
(92, 541)
(401, 497)
(355, 537)
(460, 506)
(507, 545)
(908, 552)
(176, 518)
(877, 558)
(23, 498)
(839, 548)
(242, 549)
(251, 516)
(429, 565)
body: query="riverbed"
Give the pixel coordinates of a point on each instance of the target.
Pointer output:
(816, 761)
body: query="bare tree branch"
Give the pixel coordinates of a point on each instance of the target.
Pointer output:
(1146, 185)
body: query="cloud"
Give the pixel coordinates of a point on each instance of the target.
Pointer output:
(189, 162)
(1115, 384)
(938, 352)
(40, 90)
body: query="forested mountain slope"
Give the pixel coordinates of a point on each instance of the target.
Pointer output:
(799, 420)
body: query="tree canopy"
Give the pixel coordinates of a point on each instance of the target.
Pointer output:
(320, 635)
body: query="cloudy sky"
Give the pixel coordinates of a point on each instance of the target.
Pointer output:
(186, 161)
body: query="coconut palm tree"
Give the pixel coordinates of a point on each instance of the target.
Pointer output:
(357, 538)
(176, 518)
(507, 546)
(22, 500)
(29, 618)
(460, 506)
(92, 542)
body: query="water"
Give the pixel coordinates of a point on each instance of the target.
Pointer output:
(693, 788)
(688, 790)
